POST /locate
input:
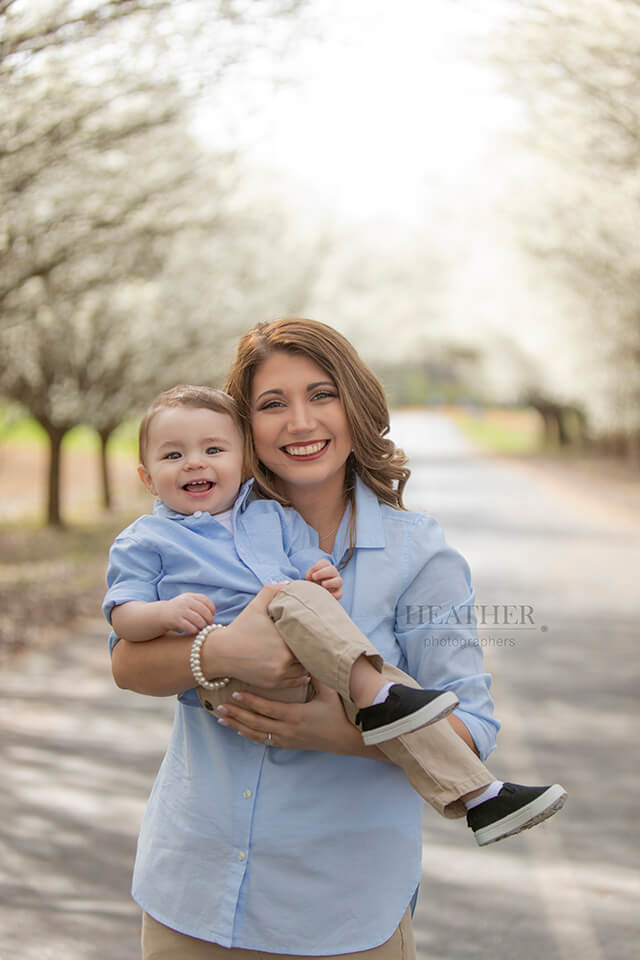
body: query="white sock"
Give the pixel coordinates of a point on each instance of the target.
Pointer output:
(382, 694)
(491, 791)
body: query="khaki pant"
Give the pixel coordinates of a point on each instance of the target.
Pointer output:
(437, 762)
(162, 943)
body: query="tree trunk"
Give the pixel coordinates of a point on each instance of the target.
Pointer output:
(55, 434)
(107, 499)
(633, 448)
(563, 435)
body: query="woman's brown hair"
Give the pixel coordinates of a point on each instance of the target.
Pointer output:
(375, 458)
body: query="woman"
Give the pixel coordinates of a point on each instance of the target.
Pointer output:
(314, 849)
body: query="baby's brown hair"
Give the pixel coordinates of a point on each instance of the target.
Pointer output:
(186, 395)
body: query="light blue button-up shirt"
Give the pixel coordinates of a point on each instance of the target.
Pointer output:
(307, 852)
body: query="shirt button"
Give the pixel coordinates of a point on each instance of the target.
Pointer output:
(246, 794)
(198, 513)
(242, 856)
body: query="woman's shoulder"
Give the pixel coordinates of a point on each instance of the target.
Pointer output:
(408, 518)
(402, 531)
(370, 510)
(414, 536)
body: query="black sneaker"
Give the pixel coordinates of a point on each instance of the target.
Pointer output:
(514, 809)
(404, 710)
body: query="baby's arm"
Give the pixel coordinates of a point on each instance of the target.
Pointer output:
(140, 620)
(324, 573)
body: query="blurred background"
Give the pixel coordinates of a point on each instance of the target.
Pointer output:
(454, 185)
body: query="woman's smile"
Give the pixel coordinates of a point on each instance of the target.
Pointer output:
(306, 451)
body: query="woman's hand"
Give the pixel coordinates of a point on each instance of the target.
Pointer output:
(251, 650)
(320, 724)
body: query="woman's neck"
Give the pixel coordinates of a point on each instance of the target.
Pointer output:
(321, 509)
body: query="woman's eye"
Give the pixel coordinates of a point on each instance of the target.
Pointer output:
(324, 394)
(271, 404)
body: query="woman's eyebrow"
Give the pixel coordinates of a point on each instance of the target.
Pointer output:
(310, 386)
(271, 390)
(321, 383)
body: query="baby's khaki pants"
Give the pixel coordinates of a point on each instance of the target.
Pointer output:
(437, 762)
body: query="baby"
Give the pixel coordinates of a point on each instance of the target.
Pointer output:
(210, 546)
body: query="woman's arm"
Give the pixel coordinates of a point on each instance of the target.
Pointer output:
(157, 668)
(249, 649)
(436, 629)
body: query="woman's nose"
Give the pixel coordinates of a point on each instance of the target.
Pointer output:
(301, 418)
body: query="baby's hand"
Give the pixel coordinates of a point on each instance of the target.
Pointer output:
(189, 612)
(324, 573)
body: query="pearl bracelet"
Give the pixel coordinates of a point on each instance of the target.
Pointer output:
(194, 660)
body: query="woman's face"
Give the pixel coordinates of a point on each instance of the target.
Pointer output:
(300, 430)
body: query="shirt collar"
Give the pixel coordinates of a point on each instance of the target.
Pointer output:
(245, 496)
(160, 509)
(369, 523)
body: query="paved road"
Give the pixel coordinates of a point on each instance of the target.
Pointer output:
(78, 756)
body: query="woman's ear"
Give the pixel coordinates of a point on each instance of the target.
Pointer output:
(145, 476)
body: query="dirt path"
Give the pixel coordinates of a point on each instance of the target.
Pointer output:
(78, 755)
(606, 489)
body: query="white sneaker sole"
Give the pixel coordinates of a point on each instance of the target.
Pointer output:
(441, 707)
(528, 816)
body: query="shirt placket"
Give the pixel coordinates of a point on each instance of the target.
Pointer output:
(245, 790)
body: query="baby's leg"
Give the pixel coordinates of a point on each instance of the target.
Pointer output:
(438, 764)
(330, 646)
(436, 761)
(324, 639)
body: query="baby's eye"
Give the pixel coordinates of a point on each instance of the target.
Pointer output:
(212, 450)
(173, 455)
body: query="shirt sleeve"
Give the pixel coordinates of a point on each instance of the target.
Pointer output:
(133, 574)
(436, 629)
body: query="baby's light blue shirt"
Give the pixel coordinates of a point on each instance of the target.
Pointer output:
(165, 553)
(306, 852)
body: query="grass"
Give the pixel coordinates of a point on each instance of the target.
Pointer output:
(499, 431)
(50, 577)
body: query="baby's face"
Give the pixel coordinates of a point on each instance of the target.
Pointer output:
(193, 459)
